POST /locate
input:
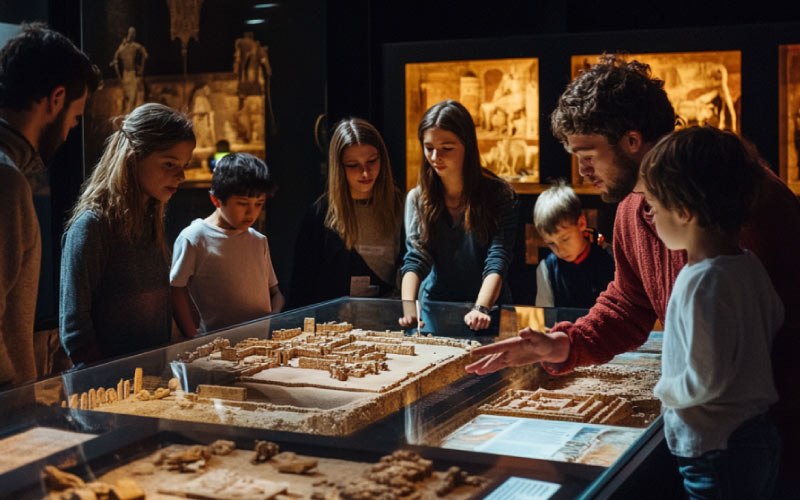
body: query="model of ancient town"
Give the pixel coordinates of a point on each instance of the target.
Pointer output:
(328, 378)
(335, 379)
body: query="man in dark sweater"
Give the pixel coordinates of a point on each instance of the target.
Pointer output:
(44, 82)
(609, 117)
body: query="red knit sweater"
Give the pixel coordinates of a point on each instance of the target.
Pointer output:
(646, 270)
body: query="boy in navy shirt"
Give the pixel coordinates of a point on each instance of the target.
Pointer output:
(578, 268)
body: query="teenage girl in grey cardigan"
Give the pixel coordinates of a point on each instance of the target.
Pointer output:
(115, 294)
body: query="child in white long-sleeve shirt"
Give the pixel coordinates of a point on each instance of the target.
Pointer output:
(723, 313)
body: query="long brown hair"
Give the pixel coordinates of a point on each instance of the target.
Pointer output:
(481, 187)
(113, 191)
(341, 215)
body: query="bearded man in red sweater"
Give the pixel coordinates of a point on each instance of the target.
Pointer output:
(609, 117)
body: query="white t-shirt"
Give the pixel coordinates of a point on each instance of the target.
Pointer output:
(722, 316)
(228, 272)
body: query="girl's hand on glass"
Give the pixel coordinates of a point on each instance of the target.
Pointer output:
(477, 320)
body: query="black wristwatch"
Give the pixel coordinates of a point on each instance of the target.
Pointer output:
(480, 308)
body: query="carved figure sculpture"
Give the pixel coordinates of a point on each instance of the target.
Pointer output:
(247, 63)
(252, 67)
(128, 63)
(203, 118)
(506, 107)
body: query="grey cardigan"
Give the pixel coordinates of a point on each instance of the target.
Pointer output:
(115, 296)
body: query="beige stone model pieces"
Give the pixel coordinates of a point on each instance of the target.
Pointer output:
(403, 475)
(191, 458)
(287, 461)
(264, 450)
(455, 477)
(551, 405)
(66, 486)
(222, 392)
(222, 447)
(226, 484)
(290, 463)
(96, 397)
(286, 334)
(137, 380)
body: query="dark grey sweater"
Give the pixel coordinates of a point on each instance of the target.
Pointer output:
(115, 296)
(455, 262)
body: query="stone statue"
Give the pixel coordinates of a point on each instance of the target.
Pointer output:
(128, 63)
(247, 64)
(203, 118)
(253, 70)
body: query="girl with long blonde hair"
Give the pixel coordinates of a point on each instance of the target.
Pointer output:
(460, 221)
(115, 294)
(350, 242)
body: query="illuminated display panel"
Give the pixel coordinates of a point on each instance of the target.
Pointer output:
(790, 115)
(502, 95)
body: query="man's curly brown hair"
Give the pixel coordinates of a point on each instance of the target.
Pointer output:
(611, 98)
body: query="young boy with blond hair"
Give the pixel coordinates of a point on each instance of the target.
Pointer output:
(578, 269)
(722, 316)
(221, 265)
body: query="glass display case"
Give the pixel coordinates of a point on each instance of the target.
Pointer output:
(335, 387)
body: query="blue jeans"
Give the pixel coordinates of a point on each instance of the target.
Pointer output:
(747, 469)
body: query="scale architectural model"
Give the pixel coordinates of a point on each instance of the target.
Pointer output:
(327, 378)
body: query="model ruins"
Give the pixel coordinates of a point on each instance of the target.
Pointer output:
(402, 474)
(619, 393)
(324, 378)
(590, 409)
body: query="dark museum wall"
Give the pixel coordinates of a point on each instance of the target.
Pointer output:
(358, 28)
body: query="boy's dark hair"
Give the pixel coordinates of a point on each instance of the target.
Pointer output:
(37, 61)
(558, 204)
(611, 98)
(241, 174)
(713, 174)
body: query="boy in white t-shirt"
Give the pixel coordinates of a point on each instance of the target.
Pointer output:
(722, 316)
(220, 264)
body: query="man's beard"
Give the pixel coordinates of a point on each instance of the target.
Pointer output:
(51, 136)
(625, 180)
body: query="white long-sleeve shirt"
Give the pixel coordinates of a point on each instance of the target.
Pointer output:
(722, 316)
